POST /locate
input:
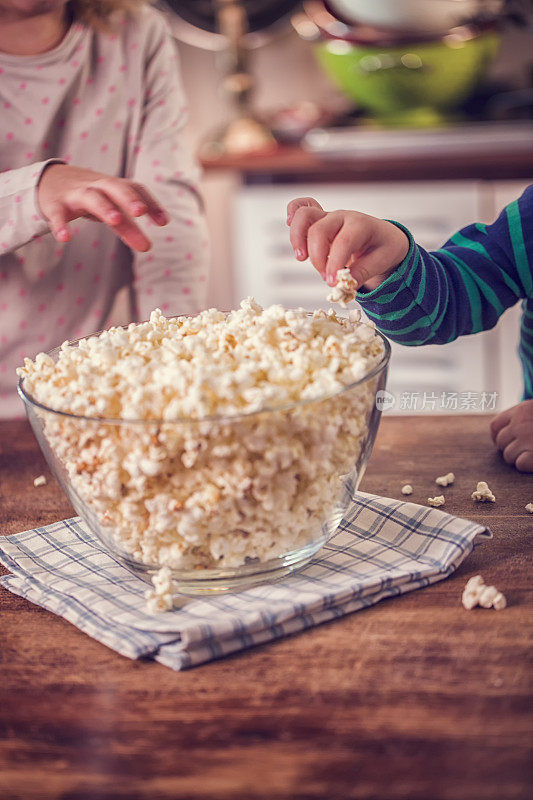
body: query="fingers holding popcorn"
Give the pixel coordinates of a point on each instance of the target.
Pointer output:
(335, 240)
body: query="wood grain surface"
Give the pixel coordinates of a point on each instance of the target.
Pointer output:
(414, 699)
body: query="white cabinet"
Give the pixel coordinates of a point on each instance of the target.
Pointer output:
(473, 369)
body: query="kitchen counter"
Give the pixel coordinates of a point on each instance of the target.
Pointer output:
(287, 164)
(415, 698)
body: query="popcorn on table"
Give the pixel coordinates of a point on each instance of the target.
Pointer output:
(445, 480)
(436, 502)
(477, 593)
(482, 493)
(345, 290)
(407, 489)
(223, 485)
(40, 480)
(529, 508)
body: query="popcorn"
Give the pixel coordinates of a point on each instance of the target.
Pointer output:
(344, 290)
(436, 501)
(199, 452)
(160, 597)
(529, 508)
(407, 489)
(39, 481)
(483, 494)
(477, 593)
(490, 597)
(445, 480)
(472, 591)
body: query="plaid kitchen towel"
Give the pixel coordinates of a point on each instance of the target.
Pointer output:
(382, 548)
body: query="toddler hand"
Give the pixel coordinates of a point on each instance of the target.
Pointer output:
(66, 193)
(512, 432)
(368, 246)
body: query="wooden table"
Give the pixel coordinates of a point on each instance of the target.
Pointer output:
(415, 698)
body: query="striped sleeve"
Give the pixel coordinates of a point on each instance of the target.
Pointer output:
(464, 287)
(526, 347)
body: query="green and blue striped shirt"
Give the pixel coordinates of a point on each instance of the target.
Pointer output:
(464, 287)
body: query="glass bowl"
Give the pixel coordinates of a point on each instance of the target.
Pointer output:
(224, 502)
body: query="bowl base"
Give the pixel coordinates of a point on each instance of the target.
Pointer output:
(192, 584)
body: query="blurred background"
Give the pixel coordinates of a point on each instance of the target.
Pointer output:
(414, 110)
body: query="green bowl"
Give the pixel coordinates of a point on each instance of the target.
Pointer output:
(419, 84)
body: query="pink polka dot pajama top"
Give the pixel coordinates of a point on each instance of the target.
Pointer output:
(111, 102)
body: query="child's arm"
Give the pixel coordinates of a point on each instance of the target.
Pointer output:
(20, 216)
(416, 297)
(46, 196)
(462, 288)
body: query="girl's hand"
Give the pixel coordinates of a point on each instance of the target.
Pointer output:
(512, 433)
(368, 246)
(65, 193)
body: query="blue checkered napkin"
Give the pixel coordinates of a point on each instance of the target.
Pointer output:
(383, 548)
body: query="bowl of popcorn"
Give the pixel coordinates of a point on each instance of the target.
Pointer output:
(220, 449)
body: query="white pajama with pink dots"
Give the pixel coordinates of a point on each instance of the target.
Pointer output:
(111, 102)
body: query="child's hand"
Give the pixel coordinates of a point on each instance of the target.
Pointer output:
(66, 193)
(512, 432)
(370, 247)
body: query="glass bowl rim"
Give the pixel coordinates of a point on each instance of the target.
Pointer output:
(30, 400)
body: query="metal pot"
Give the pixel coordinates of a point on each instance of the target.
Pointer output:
(196, 21)
(418, 17)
